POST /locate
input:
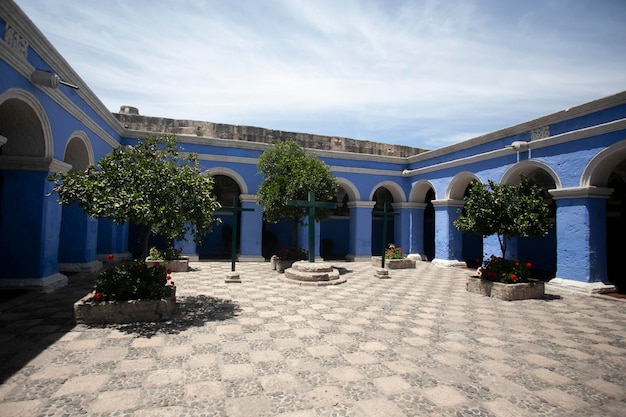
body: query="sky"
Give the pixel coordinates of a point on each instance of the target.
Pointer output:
(422, 73)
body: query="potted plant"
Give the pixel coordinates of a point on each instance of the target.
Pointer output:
(508, 211)
(394, 259)
(127, 293)
(285, 257)
(170, 258)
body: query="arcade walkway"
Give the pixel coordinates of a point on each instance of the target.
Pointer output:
(415, 345)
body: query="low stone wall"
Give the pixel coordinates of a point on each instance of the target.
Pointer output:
(394, 263)
(86, 311)
(178, 265)
(506, 292)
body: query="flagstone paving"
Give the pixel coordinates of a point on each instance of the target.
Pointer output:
(416, 344)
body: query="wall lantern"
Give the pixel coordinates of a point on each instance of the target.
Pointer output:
(48, 79)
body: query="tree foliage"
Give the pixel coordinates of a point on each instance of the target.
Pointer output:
(505, 210)
(289, 174)
(151, 185)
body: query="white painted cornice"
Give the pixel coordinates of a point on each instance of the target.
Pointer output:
(29, 163)
(361, 204)
(581, 192)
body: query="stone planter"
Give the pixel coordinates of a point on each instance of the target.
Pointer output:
(507, 292)
(177, 265)
(394, 263)
(282, 265)
(86, 311)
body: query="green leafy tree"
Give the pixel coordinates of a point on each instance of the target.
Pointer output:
(505, 210)
(289, 174)
(151, 185)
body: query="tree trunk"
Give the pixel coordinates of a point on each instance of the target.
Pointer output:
(144, 241)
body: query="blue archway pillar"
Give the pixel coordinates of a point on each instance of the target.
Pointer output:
(78, 241)
(30, 227)
(581, 236)
(416, 230)
(360, 231)
(403, 227)
(251, 230)
(448, 239)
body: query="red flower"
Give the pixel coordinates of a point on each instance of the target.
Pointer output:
(529, 265)
(97, 296)
(513, 277)
(173, 299)
(110, 256)
(180, 249)
(516, 263)
(172, 282)
(169, 277)
(169, 271)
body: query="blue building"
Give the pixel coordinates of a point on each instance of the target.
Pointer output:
(50, 121)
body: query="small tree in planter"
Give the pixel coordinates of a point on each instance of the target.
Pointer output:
(508, 211)
(289, 174)
(151, 185)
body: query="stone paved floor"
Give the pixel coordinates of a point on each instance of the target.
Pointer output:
(415, 345)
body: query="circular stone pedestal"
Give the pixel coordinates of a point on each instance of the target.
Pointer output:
(312, 273)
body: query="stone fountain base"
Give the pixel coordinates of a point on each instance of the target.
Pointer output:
(312, 273)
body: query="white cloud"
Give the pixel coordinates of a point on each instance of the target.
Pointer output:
(371, 70)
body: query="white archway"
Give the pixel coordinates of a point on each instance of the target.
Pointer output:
(231, 174)
(396, 191)
(458, 185)
(511, 175)
(599, 168)
(419, 191)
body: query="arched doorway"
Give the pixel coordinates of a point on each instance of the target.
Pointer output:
(381, 196)
(429, 225)
(472, 243)
(540, 251)
(335, 231)
(218, 244)
(79, 232)
(27, 216)
(616, 226)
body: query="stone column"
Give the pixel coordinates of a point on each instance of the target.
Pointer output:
(360, 231)
(30, 231)
(581, 236)
(78, 241)
(448, 239)
(410, 227)
(251, 230)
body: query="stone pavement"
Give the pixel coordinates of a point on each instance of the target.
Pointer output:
(414, 345)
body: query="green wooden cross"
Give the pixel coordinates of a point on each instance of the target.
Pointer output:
(234, 209)
(311, 204)
(386, 215)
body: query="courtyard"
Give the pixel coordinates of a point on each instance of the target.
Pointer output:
(417, 344)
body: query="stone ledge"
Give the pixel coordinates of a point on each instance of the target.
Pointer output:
(119, 312)
(581, 287)
(177, 265)
(405, 263)
(506, 292)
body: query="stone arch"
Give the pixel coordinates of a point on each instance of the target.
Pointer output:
(458, 185)
(511, 176)
(472, 244)
(419, 191)
(25, 124)
(608, 169)
(78, 237)
(540, 251)
(395, 190)
(78, 151)
(350, 189)
(600, 167)
(234, 175)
